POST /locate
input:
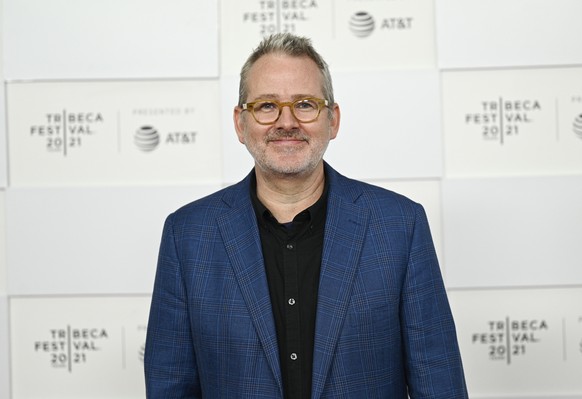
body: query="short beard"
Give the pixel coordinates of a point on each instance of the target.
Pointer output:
(281, 169)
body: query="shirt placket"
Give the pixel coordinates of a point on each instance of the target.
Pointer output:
(290, 266)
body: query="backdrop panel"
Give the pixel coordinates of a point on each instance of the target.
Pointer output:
(3, 158)
(84, 39)
(390, 125)
(122, 132)
(513, 231)
(4, 349)
(4, 321)
(88, 240)
(351, 35)
(500, 33)
(3, 277)
(513, 122)
(78, 347)
(3, 153)
(520, 343)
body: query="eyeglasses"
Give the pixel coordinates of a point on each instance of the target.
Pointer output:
(267, 112)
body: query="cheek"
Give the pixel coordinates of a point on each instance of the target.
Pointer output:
(255, 134)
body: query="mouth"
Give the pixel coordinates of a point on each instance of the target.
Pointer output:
(287, 144)
(292, 137)
(287, 140)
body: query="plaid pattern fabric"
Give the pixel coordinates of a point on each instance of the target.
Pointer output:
(383, 326)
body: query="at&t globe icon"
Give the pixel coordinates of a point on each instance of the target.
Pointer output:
(362, 24)
(577, 126)
(146, 138)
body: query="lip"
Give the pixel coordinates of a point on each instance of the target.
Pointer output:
(287, 140)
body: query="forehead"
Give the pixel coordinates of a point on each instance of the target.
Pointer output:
(283, 75)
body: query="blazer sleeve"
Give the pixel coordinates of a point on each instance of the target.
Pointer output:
(433, 362)
(170, 363)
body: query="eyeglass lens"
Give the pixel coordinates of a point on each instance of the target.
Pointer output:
(305, 110)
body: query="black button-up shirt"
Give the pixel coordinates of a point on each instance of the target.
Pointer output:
(292, 255)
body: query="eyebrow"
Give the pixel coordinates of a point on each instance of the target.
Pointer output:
(276, 97)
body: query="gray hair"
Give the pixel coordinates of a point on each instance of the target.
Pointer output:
(287, 44)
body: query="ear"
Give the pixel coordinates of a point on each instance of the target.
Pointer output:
(239, 123)
(334, 122)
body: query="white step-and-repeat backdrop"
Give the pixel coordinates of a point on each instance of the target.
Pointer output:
(113, 113)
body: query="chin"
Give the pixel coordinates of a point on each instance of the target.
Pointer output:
(291, 168)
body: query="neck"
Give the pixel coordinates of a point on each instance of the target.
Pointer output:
(286, 196)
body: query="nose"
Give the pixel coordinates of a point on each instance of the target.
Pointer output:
(286, 119)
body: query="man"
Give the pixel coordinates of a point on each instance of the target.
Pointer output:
(298, 282)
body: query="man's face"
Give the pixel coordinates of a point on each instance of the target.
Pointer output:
(287, 147)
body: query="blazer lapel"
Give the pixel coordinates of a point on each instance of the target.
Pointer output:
(345, 229)
(239, 230)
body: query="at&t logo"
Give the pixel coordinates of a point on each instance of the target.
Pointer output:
(147, 138)
(577, 126)
(362, 24)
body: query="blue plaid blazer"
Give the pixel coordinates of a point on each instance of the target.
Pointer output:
(383, 327)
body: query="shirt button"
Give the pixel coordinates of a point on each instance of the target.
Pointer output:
(291, 301)
(289, 246)
(293, 356)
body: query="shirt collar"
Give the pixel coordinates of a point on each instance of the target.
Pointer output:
(264, 214)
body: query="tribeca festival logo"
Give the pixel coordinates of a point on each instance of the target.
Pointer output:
(502, 119)
(66, 131)
(69, 347)
(279, 16)
(508, 339)
(148, 137)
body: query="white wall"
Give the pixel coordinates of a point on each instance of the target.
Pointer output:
(4, 341)
(4, 325)
(115, 113)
